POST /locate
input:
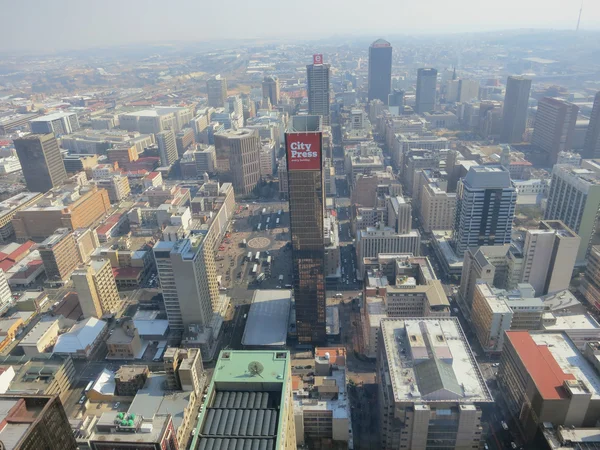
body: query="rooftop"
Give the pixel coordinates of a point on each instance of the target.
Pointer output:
(81, 336)
(449, 373)
(268, 307)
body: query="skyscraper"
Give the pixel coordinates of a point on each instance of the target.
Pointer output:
(96, 288)
(216, 88)
(42, 163)
(485, 208)
(270, 89)
(238, 156)
(317, 76)
(574, 198)
(167, 147)
(380, 70)
(554, 126)
(188, 277)
(514, 114)
(306, 203)
(426, 86)
(591, 147)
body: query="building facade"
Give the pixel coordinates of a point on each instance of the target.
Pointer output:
(95, 285)
(317, 77)
(42, 163)
(380, 71)
(216, 88)
(238, 155)
(554, 127)
(426, 90)
(591, 146)
(514, 113)
(60, 256)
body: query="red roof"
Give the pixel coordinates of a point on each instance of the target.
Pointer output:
(126, 272)
(540, 364)
(22, 249)
(152, 175)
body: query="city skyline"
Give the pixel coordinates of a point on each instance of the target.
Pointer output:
(109, 29)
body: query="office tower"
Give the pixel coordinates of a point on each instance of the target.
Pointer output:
(430, 387)
(60, 256)
(467, 90)
(380, 70)
(396, 102)
(216, 88)
(514, 112)
(590, 284)
(426, 86)
(546, 379)
(306, 204)
(238, 156)
(188, 277)
(438, 207)
(574, 198)
(485, 208)
(117, 187)
(554, 127)
(252, 388)
(184, 139)
(549, 255)
(270, 89)
(591, 147)
(317, 76)
(34, 422)
(5, 293)
(167, 147)
(96, 288)
(59, 123)
(235, 105)
(42, 163)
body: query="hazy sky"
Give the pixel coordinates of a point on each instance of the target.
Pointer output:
(65, 24)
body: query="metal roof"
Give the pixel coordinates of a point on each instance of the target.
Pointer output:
(434, 375)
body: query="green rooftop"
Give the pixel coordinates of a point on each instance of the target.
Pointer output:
(232, 366)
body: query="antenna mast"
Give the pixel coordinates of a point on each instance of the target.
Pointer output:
(579, 19)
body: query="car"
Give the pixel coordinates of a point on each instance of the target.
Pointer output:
(495, 365)
(513, 445)
(308, 367)
(504, 426)
(82, 399)
(116, 405)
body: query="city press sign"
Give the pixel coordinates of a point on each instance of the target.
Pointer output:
(304, 151)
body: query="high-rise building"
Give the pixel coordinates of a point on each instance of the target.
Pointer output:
(591, 146)
(59, 123)
(574, 198)
(5, 293)
(380, 70)
(485, 208)
(554, 126)
(306, 193)
(188, 278)
(167, 147)
(431, 389)
(96, 288)
(42, 163)
(549, 255)
(317, 76)
(270, 89)
(216, 88)
(252, 389)
(546, 379)
(590, 284)
(514, 113)
(60, 256)
(34, 422)
(426, 87)
(396, 102)
(238, 156)
(467, 90)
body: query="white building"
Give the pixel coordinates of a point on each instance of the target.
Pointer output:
(5, 293)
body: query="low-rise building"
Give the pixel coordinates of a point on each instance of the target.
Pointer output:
(124, 342)
(83, 339)
(42, 336)
(46, 376)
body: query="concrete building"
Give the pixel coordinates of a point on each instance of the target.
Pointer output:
(591, 146)
(34, 422)
(380, 70)
(571, 158)
(58, 123)
(167, 147)
(549, 255)
(90, 142)
(83, 340)
(42, 163)
(485, 208)
(117, 187)
(8, 209)
(121, 154)
(268, 306)
(373, 241)
(419, 364)
(546, 379)
(184, 369)
(216, 88)
(514, 111)
(270, 89)
(184, 140)
(426, 90)
(124, 342)
(130, 379)
(6, 299)
(238, 155)
(157, 119)
(438, 208)
(42, 336)
(77, 207)
(590, 284)
(60, 256)
(187, 273)
(44, 375)
(574, 198)
(554, 127)
(95, 285)
(266, 377)
(317, 86)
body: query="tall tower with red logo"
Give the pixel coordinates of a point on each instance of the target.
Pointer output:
(317, 81)
(303, 142)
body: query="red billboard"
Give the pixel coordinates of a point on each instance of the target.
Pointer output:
(303, 151)
(317, 59)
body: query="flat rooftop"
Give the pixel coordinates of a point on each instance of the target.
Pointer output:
(267, 321)
(339, 407)
(430, 360)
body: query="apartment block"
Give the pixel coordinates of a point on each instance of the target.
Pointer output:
(95, 285)
(60, 256)
(438, 208)
(116, 186)
(8, 209)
